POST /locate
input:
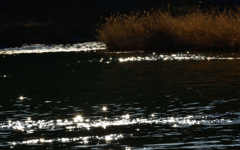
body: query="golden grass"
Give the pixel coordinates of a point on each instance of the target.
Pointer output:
(161, 31)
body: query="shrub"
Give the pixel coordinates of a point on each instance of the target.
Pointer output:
(161, 31)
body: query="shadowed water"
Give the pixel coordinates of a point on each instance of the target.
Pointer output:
(91, 99)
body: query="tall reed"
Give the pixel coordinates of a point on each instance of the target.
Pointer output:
(161, 31)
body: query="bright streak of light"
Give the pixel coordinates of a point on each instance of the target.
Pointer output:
(40, 48)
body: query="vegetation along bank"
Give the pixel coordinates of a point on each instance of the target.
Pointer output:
(165, 31)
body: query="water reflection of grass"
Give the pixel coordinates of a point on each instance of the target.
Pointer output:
(158, 30)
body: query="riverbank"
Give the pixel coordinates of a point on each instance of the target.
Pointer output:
(59, 21)
(24, 22)
(35, 32)
(162, 31)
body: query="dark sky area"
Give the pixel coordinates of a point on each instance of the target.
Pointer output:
(45, 9)
(67, 21)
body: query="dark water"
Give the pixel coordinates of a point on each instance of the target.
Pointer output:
(99, 100)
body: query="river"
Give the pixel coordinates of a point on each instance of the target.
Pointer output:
(83, 97)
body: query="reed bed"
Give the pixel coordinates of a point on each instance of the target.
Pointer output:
(162, 31)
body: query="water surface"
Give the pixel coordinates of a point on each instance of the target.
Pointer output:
(88, 98)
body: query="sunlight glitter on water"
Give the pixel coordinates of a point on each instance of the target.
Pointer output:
(79, 123)
(172, 57)
(104, 108)
(41, 48)
(81, 140)
(160, 107)
(95, 46)
(21, 97)
(78, 119)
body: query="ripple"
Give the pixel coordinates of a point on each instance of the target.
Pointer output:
(159, 57)
(81, 140)
(173, 57)
(80, 122)
(83, 131)
(41, 48)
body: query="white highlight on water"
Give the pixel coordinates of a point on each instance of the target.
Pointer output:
(172, 57)
(41, 48)
(95, 46)
(21, 97)
(83, 123)
(81, 140)
(104, 108)
(79, 122)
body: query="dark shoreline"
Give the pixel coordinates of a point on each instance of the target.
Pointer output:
(68, 22)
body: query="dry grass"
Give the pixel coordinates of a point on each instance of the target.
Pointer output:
(162, 31)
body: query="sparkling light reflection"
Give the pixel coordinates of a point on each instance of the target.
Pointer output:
(176, 57)
(21, 97)
(127, 116)
(81, 139)
(29, 119)
(104, 108)
(78, 119)
(79, 122)
(41, 48)
(127, 148)
(161, 57)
